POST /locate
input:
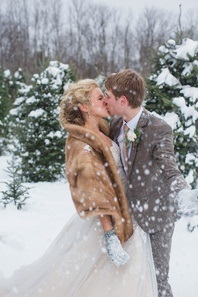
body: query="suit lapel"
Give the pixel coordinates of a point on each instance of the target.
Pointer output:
(140, 126)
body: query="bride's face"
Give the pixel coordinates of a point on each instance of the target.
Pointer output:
(98, 105)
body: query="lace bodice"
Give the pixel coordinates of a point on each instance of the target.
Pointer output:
(115, 150)
(116, 153)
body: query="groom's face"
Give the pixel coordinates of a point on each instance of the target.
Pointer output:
(112, 103)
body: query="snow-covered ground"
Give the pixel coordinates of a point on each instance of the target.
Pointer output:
(26, 234)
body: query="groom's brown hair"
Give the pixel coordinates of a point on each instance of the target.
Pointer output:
(127, 83)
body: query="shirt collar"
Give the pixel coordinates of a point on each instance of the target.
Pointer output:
(133, 122)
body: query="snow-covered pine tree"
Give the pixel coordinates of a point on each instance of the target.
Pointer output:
(173, 94)
(14, 84)
(40, 140)
(100, 79)
(15, 192)
(8, 89)
(4, 109)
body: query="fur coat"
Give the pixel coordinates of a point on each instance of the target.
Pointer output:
(94, 182)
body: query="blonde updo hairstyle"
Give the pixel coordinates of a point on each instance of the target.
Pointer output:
(75, 95)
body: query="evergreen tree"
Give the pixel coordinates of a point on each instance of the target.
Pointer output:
(100, 79)
(4, 109)
(35, 122)
(13, 83)
(173, 94)
(16, 192)
(9, 88)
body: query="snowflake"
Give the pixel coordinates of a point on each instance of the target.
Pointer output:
(87, 148)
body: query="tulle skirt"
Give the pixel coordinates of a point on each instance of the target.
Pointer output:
(76, 265)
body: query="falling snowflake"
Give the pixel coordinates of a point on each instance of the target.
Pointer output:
(87, 148)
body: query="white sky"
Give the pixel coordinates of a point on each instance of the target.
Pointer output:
(138, 5)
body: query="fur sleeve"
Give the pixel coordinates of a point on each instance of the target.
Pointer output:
(92, 191)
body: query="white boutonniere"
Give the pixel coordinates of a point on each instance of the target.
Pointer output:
(132, 137)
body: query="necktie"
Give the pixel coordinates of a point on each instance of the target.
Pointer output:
(124, 148)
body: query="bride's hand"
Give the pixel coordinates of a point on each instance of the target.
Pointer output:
(115, 251)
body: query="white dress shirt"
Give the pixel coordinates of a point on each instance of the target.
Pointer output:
(131, 125)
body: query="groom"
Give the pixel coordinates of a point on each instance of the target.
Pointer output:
(157, 191)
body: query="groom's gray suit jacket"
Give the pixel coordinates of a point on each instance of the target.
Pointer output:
(154, 178)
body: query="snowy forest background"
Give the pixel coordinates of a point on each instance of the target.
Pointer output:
(44, 47)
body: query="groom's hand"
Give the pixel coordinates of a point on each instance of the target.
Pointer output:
(187, 201)
(115, 251)
(193, 223)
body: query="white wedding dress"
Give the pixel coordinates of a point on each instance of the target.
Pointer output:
(76, 265)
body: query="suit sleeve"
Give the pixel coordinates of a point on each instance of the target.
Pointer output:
(163, 153)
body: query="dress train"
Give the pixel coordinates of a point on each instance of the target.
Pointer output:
(76, 264)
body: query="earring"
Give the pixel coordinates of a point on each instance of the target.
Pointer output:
(88, 113)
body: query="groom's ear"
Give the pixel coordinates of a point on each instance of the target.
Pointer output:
(124, 100)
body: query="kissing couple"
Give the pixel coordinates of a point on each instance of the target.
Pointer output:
(128, 194)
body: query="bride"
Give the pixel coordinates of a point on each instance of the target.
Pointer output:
(101, 251)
